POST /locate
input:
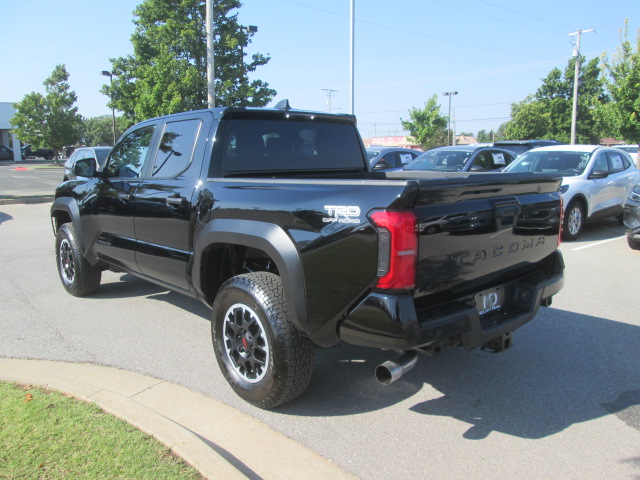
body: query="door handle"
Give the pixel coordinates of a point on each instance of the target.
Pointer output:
(126, 196)
(177, 200)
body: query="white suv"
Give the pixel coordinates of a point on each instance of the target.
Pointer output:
(596, 181)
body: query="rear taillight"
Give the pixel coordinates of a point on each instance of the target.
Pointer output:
(397, 248)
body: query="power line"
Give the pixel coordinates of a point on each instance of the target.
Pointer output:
(510, 22)
(433, 37)
(329, 92)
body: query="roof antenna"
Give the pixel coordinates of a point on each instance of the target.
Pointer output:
(283, 105)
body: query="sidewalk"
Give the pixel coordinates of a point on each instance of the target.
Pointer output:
(216, 439)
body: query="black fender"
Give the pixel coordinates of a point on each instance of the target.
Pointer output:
(70, 206)
(271, 239)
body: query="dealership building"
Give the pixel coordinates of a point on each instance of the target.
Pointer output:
(6, 138)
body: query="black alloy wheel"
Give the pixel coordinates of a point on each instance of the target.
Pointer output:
(79, 277)
(261, 354)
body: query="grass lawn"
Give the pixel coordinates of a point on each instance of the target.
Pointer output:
(48, 435)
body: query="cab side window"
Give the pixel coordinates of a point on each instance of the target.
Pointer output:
(618, 162)
(176, 148)
(127, 158)
(601, 164)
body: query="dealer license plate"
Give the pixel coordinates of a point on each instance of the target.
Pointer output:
(490, 301)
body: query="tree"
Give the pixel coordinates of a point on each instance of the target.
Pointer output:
(622, 78)
(486, 137)
(427, 127)
(51, 120)
(99, 130)
(547, 114)
(167, 72)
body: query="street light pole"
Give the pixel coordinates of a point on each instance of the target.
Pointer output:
(352, 56)
(113, 110)
(576, 75)
(449, 94)
(211, 93)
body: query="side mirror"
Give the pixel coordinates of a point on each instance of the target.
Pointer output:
(85, 168)
(476, 168)
(599, 174)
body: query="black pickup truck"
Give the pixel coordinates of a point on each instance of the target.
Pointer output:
(272, 218)
(46, 153)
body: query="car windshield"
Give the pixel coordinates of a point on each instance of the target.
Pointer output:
(371, 154)
(628, 149)
(440, 160)
(102, 156)
(566, 163)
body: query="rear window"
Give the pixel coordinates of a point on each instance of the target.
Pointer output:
(258, 146)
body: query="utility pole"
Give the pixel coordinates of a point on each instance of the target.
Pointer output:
(576, 54)
(211, 93)
(352, 55)
(449, 94)
(113, 110)
(329, 92)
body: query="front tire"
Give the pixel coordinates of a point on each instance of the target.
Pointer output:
(259, 350)
(78, 276)
(634, 244)
(573, 221)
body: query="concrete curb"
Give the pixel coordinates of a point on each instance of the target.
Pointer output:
(216, 439)
(32, 199)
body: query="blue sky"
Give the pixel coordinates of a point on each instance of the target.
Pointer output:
(493, 52)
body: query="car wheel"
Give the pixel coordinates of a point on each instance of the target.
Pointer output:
(259, 350)
(78, 276)
(573, 221)
(635, 244)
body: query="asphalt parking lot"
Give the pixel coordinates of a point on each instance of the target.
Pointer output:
(564, 402)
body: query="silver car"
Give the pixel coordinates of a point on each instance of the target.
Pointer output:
(98, 154)
(632, 218)
(596, 181)
(390, 158)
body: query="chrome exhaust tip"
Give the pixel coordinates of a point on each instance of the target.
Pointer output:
(390, 371)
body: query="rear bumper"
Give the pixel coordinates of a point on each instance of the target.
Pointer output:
(393, 322)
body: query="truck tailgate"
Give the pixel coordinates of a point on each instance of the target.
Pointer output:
(476, 230)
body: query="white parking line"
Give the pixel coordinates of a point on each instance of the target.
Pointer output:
(595, 244)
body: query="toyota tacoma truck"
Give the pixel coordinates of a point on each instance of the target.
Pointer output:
(273, 219)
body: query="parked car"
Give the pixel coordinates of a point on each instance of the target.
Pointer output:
(462, 158)
(631, 150)
(6, 153)
(596, 180)
(46, 153)
(632, 218)
(98, 154)
(386, 158)
(521, 146)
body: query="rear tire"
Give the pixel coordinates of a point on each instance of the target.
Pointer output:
(78, 276)
(259, 350)
(634, 244)
(573, 221)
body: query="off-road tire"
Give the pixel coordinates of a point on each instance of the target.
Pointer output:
(259, 350)
(78, 276)
(573, 221)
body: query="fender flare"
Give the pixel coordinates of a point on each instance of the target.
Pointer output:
(70, 206)
(271, 239)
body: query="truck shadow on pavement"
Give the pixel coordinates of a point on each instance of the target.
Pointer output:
(565, 368)
(131, 286)
(5, 217)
